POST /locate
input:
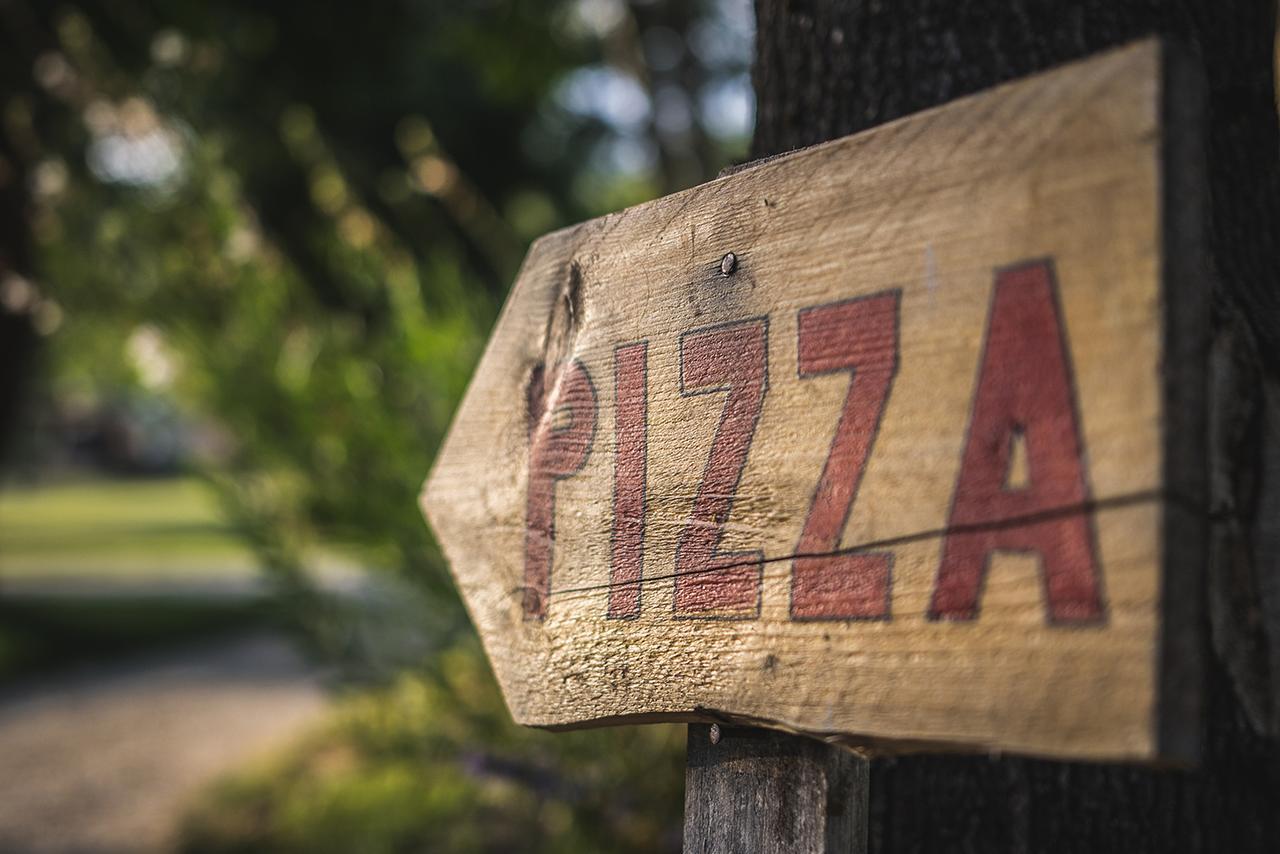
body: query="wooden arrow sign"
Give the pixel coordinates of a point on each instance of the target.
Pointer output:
(896, 439)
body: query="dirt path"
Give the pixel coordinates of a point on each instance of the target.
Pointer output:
(104, 760)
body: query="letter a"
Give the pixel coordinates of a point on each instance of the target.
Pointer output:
(1024, 397)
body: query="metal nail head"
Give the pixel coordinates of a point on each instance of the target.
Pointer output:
(715, 733)
(728, 264)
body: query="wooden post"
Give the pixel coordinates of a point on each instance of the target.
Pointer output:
(757, 790)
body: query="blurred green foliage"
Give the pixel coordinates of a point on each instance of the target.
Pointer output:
(298, 220)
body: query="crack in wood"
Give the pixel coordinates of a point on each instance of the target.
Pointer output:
(1098, 505)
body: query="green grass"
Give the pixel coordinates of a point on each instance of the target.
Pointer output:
(161, 529)
(88, 572)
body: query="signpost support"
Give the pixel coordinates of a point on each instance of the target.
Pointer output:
(749, 789)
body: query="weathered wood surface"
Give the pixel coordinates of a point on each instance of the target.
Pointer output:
(767, 792)
(664, 498)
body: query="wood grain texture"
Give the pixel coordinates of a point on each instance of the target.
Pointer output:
(986, 467)
(772, 793)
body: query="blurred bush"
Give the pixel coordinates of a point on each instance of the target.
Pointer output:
(296, 223)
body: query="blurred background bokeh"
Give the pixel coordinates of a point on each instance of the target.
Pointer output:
(249, 255)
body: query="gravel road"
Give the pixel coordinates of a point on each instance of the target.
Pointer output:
(103, 760)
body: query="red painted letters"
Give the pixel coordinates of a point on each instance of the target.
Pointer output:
(562, 426)
(732, 358)
(859, 336)
(1024, 395)
(1022, 484)
(630, 376)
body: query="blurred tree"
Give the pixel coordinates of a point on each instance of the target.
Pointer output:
(301, 221)
(298, 220)
(17, 332)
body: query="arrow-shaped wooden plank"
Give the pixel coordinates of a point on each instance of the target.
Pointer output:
(896, 439)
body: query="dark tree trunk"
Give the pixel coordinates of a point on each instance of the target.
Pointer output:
(827, 68)
(18, 339)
